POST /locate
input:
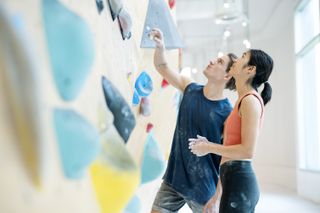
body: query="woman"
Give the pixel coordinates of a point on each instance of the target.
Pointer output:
(237, 189)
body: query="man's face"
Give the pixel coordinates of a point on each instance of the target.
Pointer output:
(217, 68)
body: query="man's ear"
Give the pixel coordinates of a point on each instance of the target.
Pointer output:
(227, 77)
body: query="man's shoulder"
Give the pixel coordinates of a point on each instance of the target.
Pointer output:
(224, 107)
(193, 87)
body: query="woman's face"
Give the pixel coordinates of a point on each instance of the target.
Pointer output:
(240, 65)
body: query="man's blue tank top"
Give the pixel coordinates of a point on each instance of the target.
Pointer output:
(196, 177)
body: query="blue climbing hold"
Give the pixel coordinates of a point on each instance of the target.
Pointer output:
(143, 84)
(153, 162)
(134, 206)
(78, 142)
(135, 98)
(70, 46)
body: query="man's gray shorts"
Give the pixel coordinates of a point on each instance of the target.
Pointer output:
(169, 201)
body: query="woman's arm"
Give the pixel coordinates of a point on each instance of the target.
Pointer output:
(250, 111)
(212, 205)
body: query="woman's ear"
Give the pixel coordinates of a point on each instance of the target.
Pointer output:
(251, 70)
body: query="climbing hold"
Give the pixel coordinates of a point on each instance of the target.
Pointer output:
(164, 83)
(153, 162)
(70, 46)
(115, 175)
(144, 84)
(159, 16)
(125, 24)
(78, 142)
(145, 108)
(124, 120)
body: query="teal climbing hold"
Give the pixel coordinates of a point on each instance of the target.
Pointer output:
(78, 142)
(70, 46)
(153, 162)
(134, 206)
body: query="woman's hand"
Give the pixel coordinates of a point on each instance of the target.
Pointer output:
(212, 206)
(199, 146)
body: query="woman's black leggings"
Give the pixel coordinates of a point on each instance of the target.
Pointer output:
(240, 191)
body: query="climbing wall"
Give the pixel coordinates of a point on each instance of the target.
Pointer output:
(85, 119)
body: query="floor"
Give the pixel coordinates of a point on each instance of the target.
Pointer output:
(273, 199)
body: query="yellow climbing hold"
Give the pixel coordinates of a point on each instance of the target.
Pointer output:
(115, 175)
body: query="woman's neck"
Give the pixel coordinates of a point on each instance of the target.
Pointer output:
(243, 88)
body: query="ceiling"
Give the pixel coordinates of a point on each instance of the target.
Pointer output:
(196, 19)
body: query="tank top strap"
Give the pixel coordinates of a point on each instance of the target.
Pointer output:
(257, 96)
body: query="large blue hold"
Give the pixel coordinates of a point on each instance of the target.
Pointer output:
(78, 142)
(124, 120)
(153, 161)
(71, 48)
(159, 16)
(135, 97)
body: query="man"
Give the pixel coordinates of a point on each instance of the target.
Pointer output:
(203, 110)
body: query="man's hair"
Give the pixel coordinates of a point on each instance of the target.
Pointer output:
(231, 84)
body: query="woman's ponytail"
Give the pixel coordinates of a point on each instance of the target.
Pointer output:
(266, 93)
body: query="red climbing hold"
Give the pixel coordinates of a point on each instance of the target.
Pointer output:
(149, 127)
(164, 83)
(172, 3)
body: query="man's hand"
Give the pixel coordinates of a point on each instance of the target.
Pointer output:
(157, 36)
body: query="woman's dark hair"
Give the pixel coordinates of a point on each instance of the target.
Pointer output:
(264, 65)
(231, 84)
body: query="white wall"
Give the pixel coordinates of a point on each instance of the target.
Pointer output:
(275, 159)
(276, 153)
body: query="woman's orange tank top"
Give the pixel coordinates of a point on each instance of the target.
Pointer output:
(232, 133)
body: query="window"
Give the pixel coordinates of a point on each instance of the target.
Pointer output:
(307, 48)
(307, 23)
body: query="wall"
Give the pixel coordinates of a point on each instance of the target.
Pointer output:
(276, 159)
(308, 185)
(114, 58)
(276, 152)
(276, 156)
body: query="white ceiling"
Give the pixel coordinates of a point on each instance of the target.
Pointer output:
(196, 19)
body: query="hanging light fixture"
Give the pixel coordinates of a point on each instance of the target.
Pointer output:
(229, 11)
